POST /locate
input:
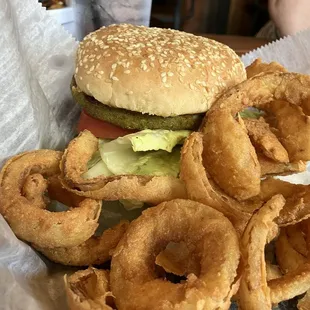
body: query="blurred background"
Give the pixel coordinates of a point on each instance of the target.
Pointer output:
(236, 17)
(234, 22)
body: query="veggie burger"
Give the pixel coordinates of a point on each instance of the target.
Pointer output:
(144, 89)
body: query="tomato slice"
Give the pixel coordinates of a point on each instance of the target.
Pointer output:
(101, 129)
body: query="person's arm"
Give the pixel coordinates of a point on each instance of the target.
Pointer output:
(290, 16)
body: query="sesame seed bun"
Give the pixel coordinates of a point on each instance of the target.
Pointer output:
(156, 71)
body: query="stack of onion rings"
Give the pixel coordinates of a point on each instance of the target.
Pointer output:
(255, 291)
(228, 153)
(221, 171)
(292, 253)
(65, 237)
(34, 223)
(201, 188)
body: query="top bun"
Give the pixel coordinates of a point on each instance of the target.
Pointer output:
(156, 71)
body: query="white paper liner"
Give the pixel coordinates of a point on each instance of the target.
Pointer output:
(36, 111)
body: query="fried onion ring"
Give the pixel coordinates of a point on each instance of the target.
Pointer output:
(264, 139)
(215, 245)
(254, 292)
(292, 284)
(257, 67)
(229, 155)
(200, 188)
(34, 188)
(293, 128)
(297, 206)
(88, 289)
(270, 167)
(94, 251)
(32, 223)
(297, 239)
(287, 257)
(149, 189)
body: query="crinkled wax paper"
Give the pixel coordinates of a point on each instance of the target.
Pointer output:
(36, 111)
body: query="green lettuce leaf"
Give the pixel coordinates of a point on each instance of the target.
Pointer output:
(251, 113)
(100, 168)
(148, 140)
(148, 152)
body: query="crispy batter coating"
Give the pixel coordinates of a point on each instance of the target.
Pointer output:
(272, 271)
(229, 155)
(200, 188)
(254, 292)
(88, 290)
(297, 206)
(271, 167)
(288, 258)
(32, 223)
(296, 238)
(150, 189)
(34, 188)
(94, 251)
(213, 239)
(257, 67)
(292, 284)
(265, 140)
(236, 170)
(293, 128)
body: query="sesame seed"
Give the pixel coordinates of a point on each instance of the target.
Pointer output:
(169, 51)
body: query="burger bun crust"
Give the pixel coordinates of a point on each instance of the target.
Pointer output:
(155, 71)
